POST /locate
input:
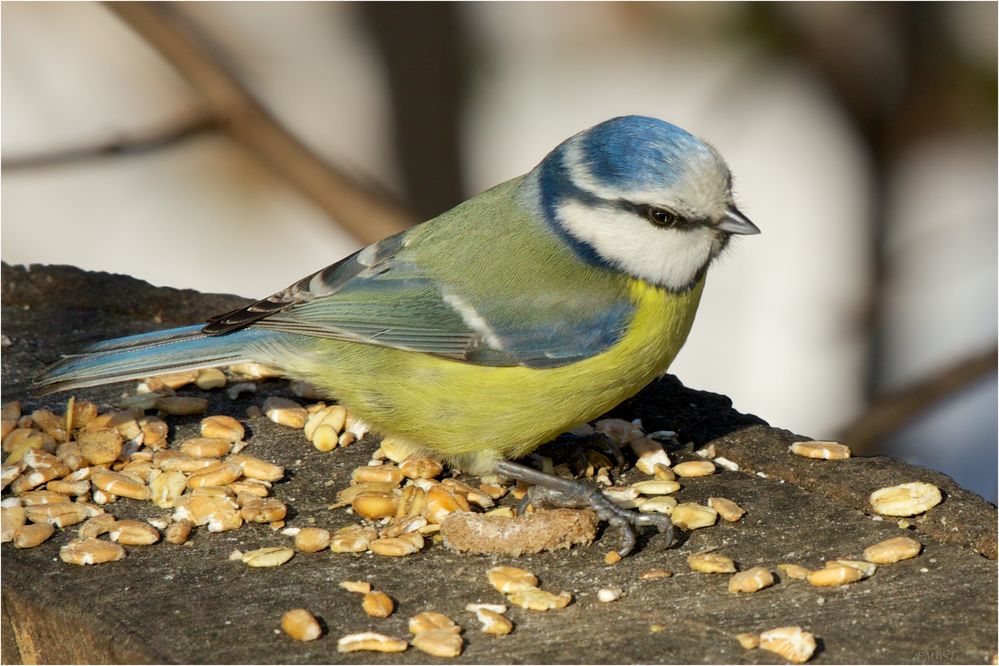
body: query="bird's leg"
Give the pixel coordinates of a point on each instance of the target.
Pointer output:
(572, 493)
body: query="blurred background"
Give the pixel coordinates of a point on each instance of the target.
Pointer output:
(234, 147)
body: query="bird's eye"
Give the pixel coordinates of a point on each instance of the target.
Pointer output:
(661, 217)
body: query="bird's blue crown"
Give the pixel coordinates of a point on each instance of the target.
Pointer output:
(632, 152)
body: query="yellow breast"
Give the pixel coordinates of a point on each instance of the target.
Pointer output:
(474, 414)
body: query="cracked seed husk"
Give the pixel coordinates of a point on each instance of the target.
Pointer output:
(792, 643)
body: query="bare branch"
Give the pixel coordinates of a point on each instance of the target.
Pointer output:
(890, 413)
(368, 215)
(119, 147)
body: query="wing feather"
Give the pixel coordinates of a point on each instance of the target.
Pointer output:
(381, 296)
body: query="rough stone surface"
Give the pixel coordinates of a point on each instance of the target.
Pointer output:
(190, 604)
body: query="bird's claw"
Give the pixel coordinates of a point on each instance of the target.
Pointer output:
(552, 491)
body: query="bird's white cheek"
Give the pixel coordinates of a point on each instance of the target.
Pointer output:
(667, 257)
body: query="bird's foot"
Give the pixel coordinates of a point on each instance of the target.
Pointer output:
(549, 490)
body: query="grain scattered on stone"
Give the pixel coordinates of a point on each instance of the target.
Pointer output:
(832, 576)
(72, 488)
(261, 509)
(254, 371)
(120, 485)
(795, 571)
(256, 468)
(91, 551)
(416, 467)
(36, 497)
(439, 643)
(12, 471)
(179, 531)
(325, 438)
(60, 514)
(659, 504)
(375, 505)
(655, 574)
(792, 643)
(31, 535)
(377, 604)
(907, 499)
(312, 539)
(821, 450)
(432, 621)
(12, 517)
(352, 539)
(511, 579)
(175, 461)
(400, 546)
(533, 598)
(371, 642)
(206, 447)
(219, 474)
(691, 516)
(866, 568)
(134, 533)
(377, 474)
(650, 453)
(440, 503)
(751, 580)
(301, 625)
(475, 608)
(656, 487)
(892, 550)
(359, 586)
(493, 622)
(711, 562)
(726, 508)
(693, 468)
(334, 417)
(210, 378)
(285, 412)
(268, 557)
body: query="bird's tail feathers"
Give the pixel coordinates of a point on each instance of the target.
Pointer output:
(138, 356)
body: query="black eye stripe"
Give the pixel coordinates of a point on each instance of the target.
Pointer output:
(642, 210)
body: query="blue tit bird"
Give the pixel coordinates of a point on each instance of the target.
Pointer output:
(479, 335)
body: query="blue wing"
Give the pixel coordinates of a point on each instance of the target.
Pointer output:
(381, 296)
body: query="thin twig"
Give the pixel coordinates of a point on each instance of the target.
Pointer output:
(122, 146)
(890, 413)
(368, 215)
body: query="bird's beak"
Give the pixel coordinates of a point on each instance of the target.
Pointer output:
(735, 222)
